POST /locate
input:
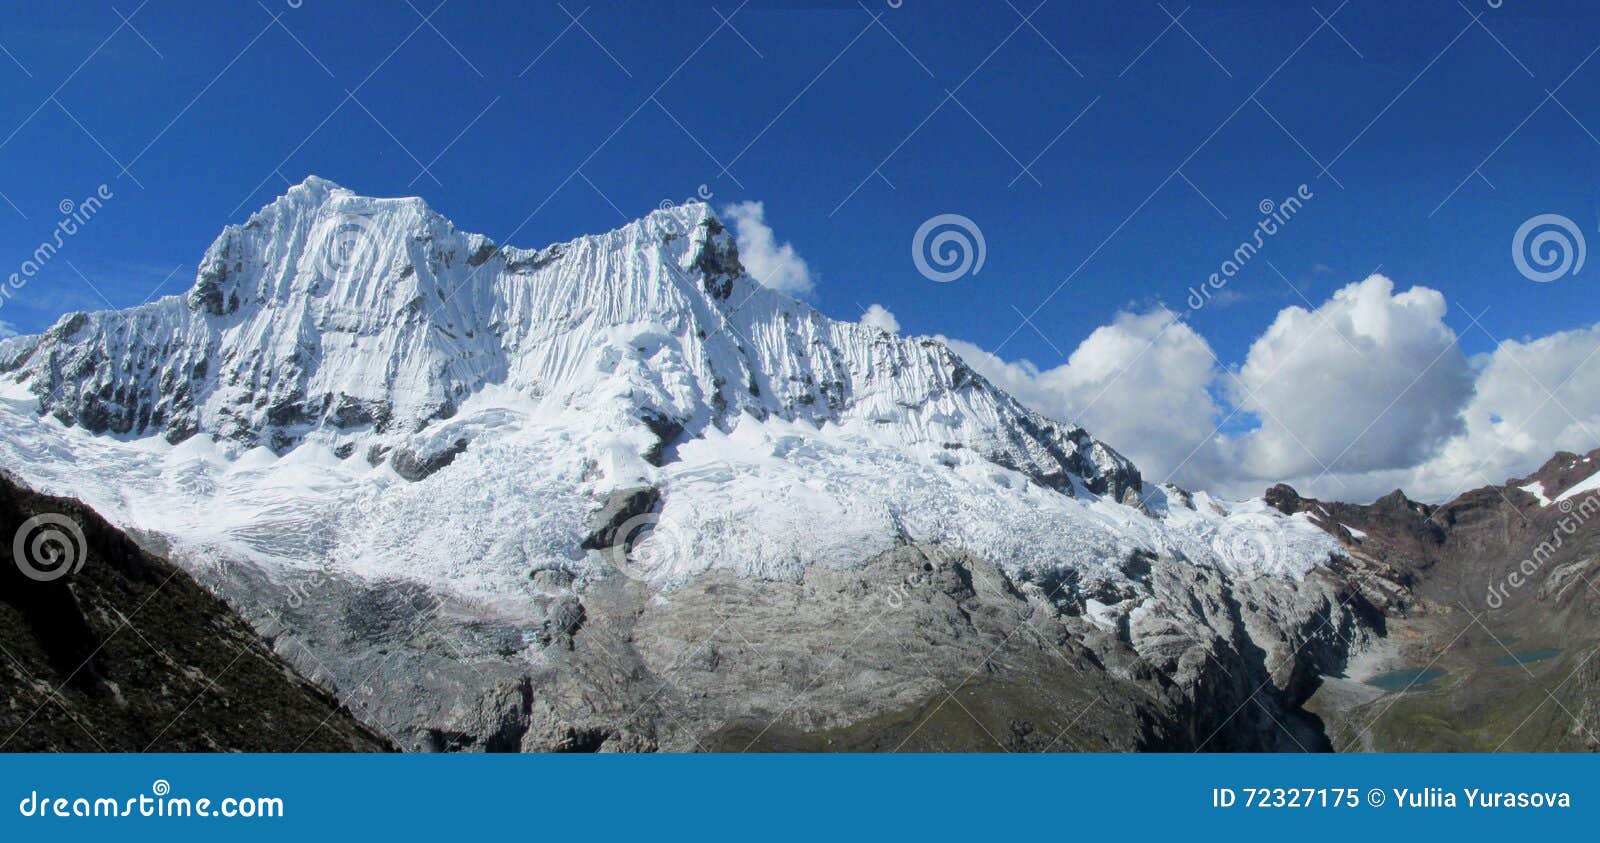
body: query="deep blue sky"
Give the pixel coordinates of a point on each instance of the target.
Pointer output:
(222, 106)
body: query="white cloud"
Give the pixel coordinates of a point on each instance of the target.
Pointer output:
(1140, 384)
(1371, 384)
(775, 265)
(878, 316)
(6, 331)
(1370, 381)
(1534, 397)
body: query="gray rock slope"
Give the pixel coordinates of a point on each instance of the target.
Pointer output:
(922, 649)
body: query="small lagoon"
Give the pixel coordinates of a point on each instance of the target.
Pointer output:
(1415, 679)
(1528, 657)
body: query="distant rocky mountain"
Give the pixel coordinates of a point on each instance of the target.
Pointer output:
(614, 494)
(1493, 637)
(127, 654)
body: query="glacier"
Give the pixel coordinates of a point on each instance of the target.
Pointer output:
(264, 414)
(357, 398)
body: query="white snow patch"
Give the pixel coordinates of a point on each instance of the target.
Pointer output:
(1589, 485)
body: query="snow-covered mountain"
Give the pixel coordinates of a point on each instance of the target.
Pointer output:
(373, 332)
(350, 320)
(356, 395)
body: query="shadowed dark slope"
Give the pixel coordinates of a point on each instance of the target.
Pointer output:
(129, 654)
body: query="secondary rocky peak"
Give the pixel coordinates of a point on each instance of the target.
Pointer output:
(1560, 473)
(1284, 498)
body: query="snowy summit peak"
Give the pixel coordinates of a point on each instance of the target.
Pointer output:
(368, 324)
(314, 182)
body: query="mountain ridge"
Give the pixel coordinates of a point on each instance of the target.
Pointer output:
(329, 312)
(500, 495)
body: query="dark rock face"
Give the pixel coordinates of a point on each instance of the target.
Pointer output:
(1402, 533)
(718, 262)
(484, 252)
(348, 412)
(208, 293)
(128, 654)
(616, 512)
(413, 466)
(665, 429)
